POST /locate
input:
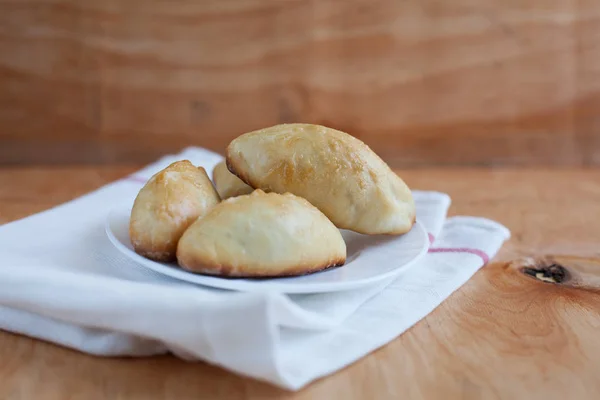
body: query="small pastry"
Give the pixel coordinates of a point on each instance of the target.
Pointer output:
(261, 235)
(166, 206)
(227, 184)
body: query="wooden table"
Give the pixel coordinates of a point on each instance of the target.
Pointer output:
(520, 329)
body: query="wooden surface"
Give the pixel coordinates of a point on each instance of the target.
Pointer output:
(507, 333)
(469, 82)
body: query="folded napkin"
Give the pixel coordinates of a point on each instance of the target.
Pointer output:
(61, 280)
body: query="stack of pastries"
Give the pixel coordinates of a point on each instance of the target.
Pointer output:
(274, 207)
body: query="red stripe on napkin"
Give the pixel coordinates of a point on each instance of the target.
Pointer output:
(467, 250)
(431, 238)
(477, 252)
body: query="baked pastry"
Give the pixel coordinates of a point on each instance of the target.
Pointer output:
(166, 206)
(227, 184)
(336, 172)
(261, 235)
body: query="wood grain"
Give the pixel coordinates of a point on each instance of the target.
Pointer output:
(423, 82)
(508, 333)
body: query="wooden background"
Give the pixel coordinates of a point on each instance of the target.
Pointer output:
(423, 82)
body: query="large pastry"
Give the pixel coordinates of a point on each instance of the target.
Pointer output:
(261, 235)
(227, 184)
(334, 171)
(166, 206)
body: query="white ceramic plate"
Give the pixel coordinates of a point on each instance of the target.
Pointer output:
(370, 259)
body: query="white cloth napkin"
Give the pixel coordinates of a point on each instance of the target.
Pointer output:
(62, 281)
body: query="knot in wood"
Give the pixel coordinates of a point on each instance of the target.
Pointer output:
(551, 273)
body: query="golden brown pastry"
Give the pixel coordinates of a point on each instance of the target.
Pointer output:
(334, 171)
(261, 235)
(227, 184)
(166, 206)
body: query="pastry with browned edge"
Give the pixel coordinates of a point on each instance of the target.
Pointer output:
(261, 235)
(166, 206)
(333, 170)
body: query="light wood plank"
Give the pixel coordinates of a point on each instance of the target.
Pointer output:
(422, 82)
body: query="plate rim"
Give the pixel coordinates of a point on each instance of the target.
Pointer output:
(217, 282)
